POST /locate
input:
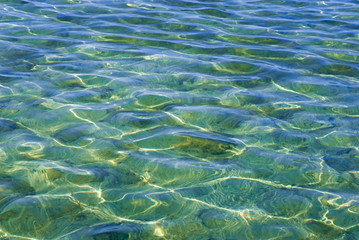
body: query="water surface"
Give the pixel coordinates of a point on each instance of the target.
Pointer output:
(179, 119)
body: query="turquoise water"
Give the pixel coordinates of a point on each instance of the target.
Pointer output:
(179, 119)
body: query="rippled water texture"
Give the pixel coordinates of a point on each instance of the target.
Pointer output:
(179, 119)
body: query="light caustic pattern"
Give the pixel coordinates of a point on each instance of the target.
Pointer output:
(179, 119)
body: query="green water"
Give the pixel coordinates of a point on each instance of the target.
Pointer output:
(179, 119)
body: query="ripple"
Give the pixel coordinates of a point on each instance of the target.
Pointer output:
(336, 69)
(114, 230)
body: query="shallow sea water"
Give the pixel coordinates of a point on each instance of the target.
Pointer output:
(179, 119)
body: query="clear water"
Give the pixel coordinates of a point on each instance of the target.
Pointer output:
(179, 119)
